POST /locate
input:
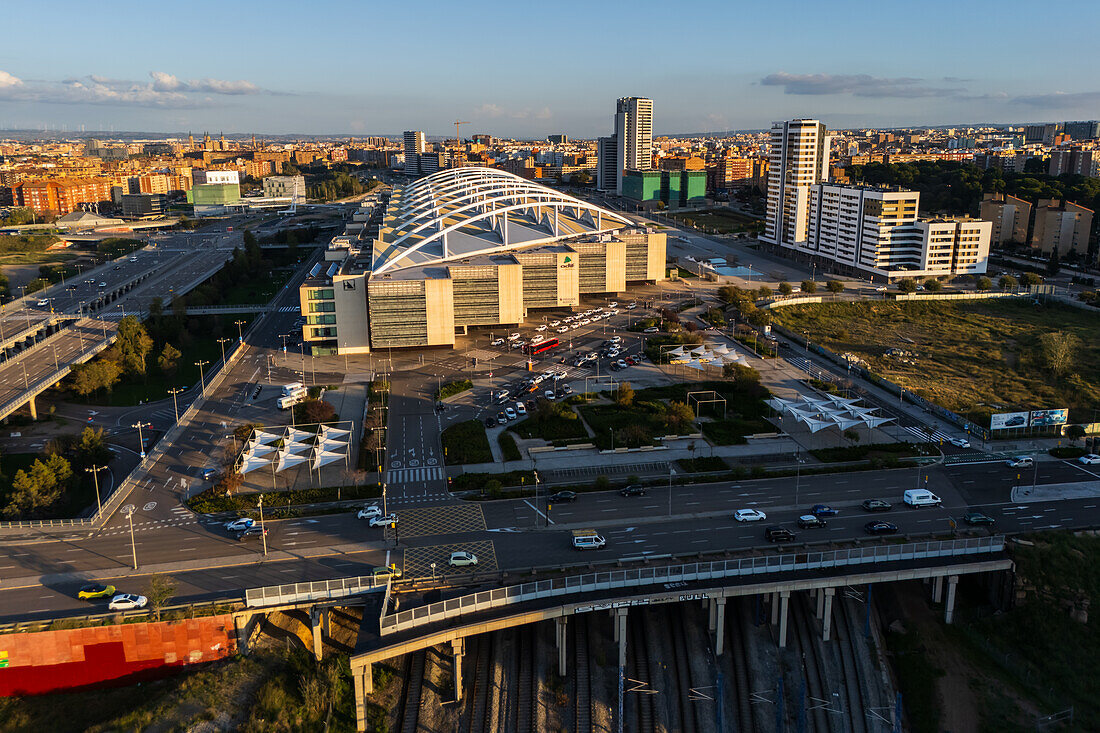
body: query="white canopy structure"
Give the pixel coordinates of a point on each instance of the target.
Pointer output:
(839, 412)
(279, 449)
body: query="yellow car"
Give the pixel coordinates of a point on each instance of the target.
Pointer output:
(95, 590)
(383, 571)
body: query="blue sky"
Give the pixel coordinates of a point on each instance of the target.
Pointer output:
(529, 69)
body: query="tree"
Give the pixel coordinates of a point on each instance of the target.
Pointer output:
(834, 286)
(624, 396)
(91, 448)
(809, 286)
(984, 284)
(678, 415)
(315, 411)
(729, 294)
(907, 285)
(134, 344)
(1053, 264)
(1059, 349)
(1031, 278)
(168, 361)
(742, 376)
(1075, 432)
(785, 288)
(933, 285)
(159, 590)
(1007, 282)
(759, 318)
(39, 487)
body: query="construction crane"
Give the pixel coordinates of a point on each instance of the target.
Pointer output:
(458, 139)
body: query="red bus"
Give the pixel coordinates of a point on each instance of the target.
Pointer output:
(539, 347)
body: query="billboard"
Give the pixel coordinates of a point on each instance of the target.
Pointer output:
(1005, 420)
(1044, 418)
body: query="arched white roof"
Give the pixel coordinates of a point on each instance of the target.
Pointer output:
(461, 212)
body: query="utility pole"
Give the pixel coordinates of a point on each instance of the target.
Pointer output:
(263, 532)
(240, 334)
(141, 438)
(133, 545)
(94, 470)
(175, 407)
(222, 342)
(202, 379)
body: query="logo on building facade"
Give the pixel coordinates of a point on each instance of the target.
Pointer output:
(568, 262)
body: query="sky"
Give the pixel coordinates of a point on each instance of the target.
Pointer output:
(526, 70)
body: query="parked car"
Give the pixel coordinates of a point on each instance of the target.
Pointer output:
(95, 590)
(824, 510)
(563, 496)
(1089, 459)
(651, 329)
(778, 534)
(127, 601)
(880, 527)
(252, 533)
(369, 512)
(387, 571)
(387, 521)
(502, 419)
(749, 515)
(509, 413)
(632, 490)
(462, 559)
(239, 524)
(497, 342)
(549, 394)
(876, 505)
(521, 410)
(490, 422)
(976, 518)
(810, 521)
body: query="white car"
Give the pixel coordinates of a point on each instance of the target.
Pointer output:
(613, 304)
(127, 601)
(1089, 459)
(514, 336)
(497, 342)
(369, 512)
(555, 324)
(520, 409)
(749, 515)
(387, 521)
(462, 559)
(562, 329)
(549, 394)
(1020, 462)
(584, 322)
(651, 329)
(541, 328)
(43, 302)
(240, 524)
(548, 374)
(959, 442)
(631, 306)
(509, 413)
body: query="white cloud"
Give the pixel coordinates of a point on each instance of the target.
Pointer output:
(164, 91)
(164, 82)
(859, 85)
(7, 80)
(495, 111)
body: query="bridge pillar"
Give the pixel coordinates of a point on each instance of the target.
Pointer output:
(325, 621)
(458, 649)
(362, 684)
(820, 612)
(315, 626)
(949, 606)
(620, 634)
(562, 628)
(827, 616)
(784, 600)
(775, 608)
(712, 614)
(719, 607)
(34, 410)
(937, 589)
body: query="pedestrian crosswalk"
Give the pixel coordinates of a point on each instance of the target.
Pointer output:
(289, 309)
(923, 435)
(396, 476)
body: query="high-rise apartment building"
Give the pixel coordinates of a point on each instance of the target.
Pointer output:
(1085, 130)
(631, 145)
(1075, 161)
(415, 146)
(1061, 227)
(1009, 216)
(798, 155)
(1041, 134)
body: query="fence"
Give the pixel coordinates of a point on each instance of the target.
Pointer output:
(575, 585)
(320, 590)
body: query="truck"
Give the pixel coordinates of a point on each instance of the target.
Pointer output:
(587, 539)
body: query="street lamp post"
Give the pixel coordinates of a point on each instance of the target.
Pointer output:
(240, 334)
(385, 507)
(222, 342)
(94, 470)
(671, 471)
(175, 407)
(202, 379)
(263, 533)
(133, 544)
(141, 438)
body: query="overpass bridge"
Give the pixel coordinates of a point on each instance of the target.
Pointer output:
(772, 577)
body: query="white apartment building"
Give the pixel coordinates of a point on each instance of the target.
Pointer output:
(876, 231)
(415, 145)
(798, 156)
(288, 187)
(630, 147)
(200, 176)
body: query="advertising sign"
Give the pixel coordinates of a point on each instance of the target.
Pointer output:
(1044, 418)
(1005, 420)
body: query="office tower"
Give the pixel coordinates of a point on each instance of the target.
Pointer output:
(798, 155)
(415, 146)
(1086, 130)
(607, 164)
(633, 136)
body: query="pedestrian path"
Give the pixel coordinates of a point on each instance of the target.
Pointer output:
(289, 309)
(810, 368)
(588, 471)
(397, 476)
(923, 435)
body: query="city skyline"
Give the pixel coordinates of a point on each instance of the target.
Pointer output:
(252, 70)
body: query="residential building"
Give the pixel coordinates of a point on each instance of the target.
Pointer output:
(1061, 227)
(290, 187)
(1089, 130)
(415, 145)
(1076, 161)
(633, 136)
(557, 139)
(1041, 134)
(1009, 216)
(62, 195)
(607, 164)
(798, 156)
(733, 171)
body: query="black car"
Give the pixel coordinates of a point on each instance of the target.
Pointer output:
(252, 533)
(563, 496)
(876, 505)
(632, 490)
(490, 422)
(810, 521)
(778, 534)
(976, 518)
(880, 527)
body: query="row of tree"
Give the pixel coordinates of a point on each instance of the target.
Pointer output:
(47, 480)
(128, 356)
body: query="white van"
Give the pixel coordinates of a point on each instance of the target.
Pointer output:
(587, 539)
(289, 389)
(921, 497)
(288, 401)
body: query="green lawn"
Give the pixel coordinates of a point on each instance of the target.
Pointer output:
(466, 442)
(973, 357)
(551, 424)
(257, 291)
(450, 389)
(508, 447)
(724, 221)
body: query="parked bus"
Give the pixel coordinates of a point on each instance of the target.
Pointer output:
(539, 347)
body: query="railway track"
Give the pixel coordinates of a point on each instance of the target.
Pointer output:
(735, 620)
(527, 681)
(682, 667)
(478, 705)
(414, 685)
(849, 659)
(812, 662)
(641, 707)
(582, 697)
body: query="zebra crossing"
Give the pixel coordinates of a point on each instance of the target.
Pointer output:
(923, 435)
(396, 476)
(289, 309)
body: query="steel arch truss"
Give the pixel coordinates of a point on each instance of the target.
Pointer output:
(428, 210)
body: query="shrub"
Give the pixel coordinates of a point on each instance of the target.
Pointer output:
(508, 447)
